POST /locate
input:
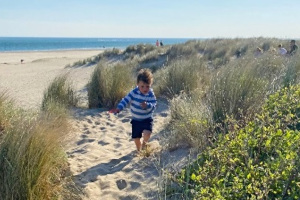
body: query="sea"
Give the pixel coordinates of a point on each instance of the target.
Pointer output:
(15, 44)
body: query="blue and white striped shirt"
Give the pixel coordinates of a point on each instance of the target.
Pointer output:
(134, 98)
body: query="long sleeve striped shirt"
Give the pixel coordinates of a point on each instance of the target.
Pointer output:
(135, 98)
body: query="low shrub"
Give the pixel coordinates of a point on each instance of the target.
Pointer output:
(259, 161)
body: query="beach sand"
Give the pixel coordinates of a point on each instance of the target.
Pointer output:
(100, 151)
(25, 82)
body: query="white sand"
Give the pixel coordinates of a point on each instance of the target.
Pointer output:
(100, 151)
(26, 82)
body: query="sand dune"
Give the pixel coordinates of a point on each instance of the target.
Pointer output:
(101, 154)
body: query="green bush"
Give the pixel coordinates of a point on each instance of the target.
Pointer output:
(259, 161)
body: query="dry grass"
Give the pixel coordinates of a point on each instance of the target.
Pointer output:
(6, 112)
(109, 84)
(181, 75)
(191, 122)
(33, 164)
(60, 92)
(234, 90)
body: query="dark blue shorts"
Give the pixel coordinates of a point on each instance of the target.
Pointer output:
(139, 126)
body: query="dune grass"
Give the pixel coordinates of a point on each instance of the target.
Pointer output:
(6, 112)
(236, 91)
(33, 162)
(61, 92)
(109, 84)
(181, 75)
(190, 122)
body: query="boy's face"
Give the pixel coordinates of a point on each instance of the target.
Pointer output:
(143, 87)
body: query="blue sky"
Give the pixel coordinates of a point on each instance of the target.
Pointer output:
(152, 18)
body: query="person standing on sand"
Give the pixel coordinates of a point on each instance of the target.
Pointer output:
(142, 102)
(281, 50)
(157, 43)
(293, 46)
(258, 52)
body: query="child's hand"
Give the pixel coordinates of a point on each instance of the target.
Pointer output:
(114, 111)
(144, 105)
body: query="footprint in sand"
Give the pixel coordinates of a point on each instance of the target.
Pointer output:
(125, 120)
(121, 183)
(134, 185)
(110, 124)
(117, 146)
(82, 151)
(83, 141)
(163, 114)
(103, 143)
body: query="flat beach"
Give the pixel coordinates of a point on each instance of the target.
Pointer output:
(25, 82)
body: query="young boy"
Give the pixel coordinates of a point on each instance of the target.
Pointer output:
(142, 104)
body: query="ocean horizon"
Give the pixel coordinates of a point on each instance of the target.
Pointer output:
(12, 44)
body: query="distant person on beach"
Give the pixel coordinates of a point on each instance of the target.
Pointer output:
(258, 52)
(161, 43)
(281, 50)
(238, 53)
(293, 47)
(22, 61)
(157, 43)
(142, 103)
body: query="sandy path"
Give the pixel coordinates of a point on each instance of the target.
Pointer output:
(103, 157)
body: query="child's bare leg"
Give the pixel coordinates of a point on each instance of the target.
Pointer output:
(146, 137)
(138, 144)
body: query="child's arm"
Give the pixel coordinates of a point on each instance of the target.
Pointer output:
(124, 102)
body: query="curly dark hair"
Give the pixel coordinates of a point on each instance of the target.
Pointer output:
(146, 76)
